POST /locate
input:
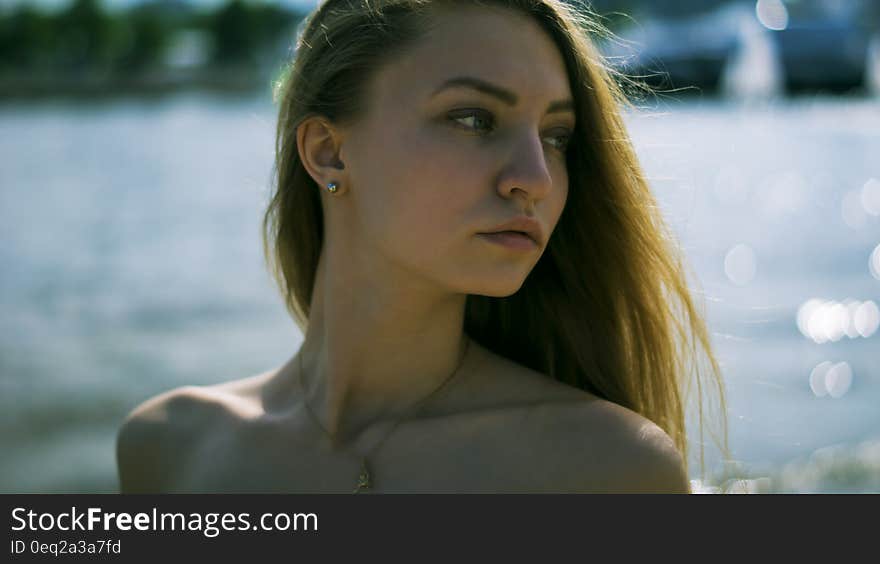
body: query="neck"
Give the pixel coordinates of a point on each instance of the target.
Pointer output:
(372, 354)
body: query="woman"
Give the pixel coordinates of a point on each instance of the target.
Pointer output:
(489, 298)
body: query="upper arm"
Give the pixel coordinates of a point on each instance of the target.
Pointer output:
(656, 465)
(155, 439)
(623, 452)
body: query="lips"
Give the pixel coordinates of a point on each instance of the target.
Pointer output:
(521, 225)
(515, 240)
(515, 233)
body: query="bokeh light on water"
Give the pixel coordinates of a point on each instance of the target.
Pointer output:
(831, 379)
(772, 14)
(874, 263)
(763, 198)
(829, 321)
(740, 264)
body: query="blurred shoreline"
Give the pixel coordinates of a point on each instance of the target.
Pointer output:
(102, 85)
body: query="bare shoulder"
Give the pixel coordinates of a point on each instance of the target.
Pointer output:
(614, 449)
(158, 438)
(588, 444)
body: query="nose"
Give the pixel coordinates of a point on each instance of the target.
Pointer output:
(526, 174)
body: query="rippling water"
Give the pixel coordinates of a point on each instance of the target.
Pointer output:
(131, 263)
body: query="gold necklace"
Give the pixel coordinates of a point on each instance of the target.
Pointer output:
(364, 478)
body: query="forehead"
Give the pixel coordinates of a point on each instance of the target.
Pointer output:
(494, 44)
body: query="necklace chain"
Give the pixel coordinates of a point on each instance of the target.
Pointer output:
(365, 479)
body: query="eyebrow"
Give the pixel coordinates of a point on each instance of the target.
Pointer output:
(496, 91)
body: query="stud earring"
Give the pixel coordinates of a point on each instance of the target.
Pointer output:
(332, 187)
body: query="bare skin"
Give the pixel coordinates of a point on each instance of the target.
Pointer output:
(426, 171)
(500, 428)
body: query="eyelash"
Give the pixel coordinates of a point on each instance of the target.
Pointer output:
(480, 114)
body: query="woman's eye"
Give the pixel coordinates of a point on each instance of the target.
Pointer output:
(480, 122)
(483, 123)
(560, 141)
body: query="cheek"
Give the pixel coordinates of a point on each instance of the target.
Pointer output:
(421, 187)
(560, 193)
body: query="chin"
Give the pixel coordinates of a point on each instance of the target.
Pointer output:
(498, 290)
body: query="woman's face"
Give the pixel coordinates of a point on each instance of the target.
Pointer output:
(432, 167)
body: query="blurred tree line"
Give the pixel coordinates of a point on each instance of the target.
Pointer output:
(83, 37)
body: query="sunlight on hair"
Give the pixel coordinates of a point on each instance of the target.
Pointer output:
(772, 14)
(740, 264)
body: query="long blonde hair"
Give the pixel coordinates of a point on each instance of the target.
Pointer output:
(607, 306)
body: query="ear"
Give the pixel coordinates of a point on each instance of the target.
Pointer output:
(319, 144)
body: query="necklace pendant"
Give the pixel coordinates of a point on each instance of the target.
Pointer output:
(364, 478)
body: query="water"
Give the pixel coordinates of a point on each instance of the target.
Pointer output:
(131, 264)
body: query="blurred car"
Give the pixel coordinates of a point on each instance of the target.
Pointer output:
(822, 55)
(672, 54)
